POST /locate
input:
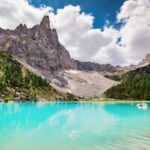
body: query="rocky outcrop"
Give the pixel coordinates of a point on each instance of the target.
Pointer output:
(145, 61)
(38, 46)
(91, 66)
(144, 69)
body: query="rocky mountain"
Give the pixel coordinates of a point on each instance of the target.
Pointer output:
(144, 69)
(38, 49)
(38, 46)
(120, 70)
(91, 66)
(145, 61)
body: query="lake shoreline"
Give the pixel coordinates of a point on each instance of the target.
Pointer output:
(80, 101)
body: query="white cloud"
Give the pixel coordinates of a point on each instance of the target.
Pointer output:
(14, 12)
(77, 34)
(135, 33)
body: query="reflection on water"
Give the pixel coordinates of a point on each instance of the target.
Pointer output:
(74, 126)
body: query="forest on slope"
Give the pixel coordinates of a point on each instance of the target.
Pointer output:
(135, 85)
(18, 83)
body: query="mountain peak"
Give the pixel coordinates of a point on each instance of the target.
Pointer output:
(145, 61)
(45, 23)
(21, 28)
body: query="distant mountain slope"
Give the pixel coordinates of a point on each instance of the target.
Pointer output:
(145, 61)
(135, 85)
(91, 66)
(17, 82)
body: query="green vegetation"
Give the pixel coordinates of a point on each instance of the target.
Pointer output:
(17, 82)
(135, 85)
(114, 77)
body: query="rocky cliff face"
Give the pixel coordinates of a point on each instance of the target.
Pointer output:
(145, 61)
(91, 66)
(38, 46)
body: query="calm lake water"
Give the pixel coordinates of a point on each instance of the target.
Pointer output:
(74, 126)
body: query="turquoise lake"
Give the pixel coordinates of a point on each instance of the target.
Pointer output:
(74, 126)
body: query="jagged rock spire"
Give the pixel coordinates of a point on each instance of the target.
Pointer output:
(45, 23)
(21, 28)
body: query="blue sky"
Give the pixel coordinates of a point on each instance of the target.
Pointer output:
(102, 10)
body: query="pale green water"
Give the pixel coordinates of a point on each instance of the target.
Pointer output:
(74, 126)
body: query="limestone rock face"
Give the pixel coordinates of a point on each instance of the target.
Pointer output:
(91, 66)
(38, 46)
(45, 23)
(145, 61)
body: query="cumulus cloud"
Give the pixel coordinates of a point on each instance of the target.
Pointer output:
(76, 32)
(14, 12)
(135, 33)
(123, 46)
